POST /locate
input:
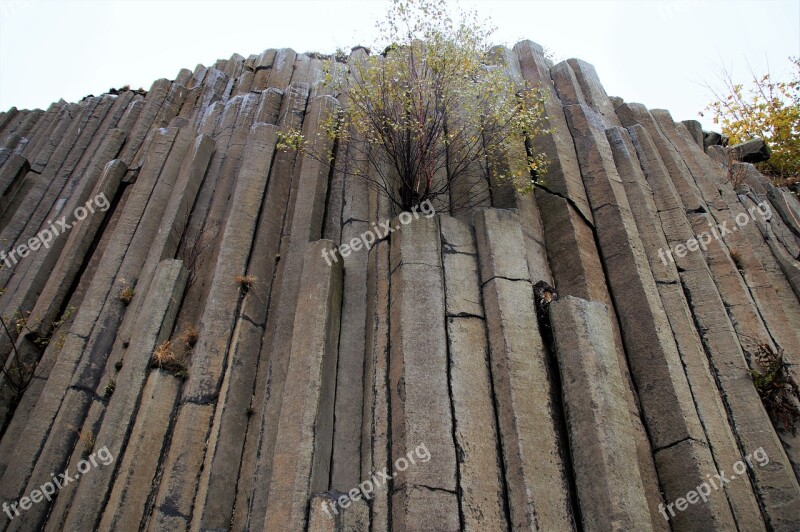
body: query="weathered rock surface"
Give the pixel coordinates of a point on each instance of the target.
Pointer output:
(207, 356)
(751, 151)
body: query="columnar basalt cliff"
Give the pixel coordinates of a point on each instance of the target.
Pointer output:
(202, 354)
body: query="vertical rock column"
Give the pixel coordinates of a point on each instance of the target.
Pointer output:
(480, 473)
(12, 173)
(563, 173)
(305, 214)
(350, 380)
(152, 103)
(70, 147)
(782, 243)
(569, 238)
(538, 492)
(131, 492)
(305, 431)
(200, 394)
(221, 470)
(602, 438)
(125, 263)
(276, 220)
(41, 157)
(53, 298)
(768, 286)
(375, 450)
(424, 496)
(43, 129)
(766, 283)
(164, 244)
(34, 436)
(173, 223)
(670, 414)
(153, 327)
(29, 279)
(775, 485)
(703, 386)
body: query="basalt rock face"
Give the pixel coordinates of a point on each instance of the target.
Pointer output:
(578, 357)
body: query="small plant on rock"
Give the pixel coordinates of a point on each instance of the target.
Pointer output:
(166, 359)
(778, 391)
(245, 281)
(126, 295)
(736, 257)
(197, 246)
(189, 337)
(87, 437)
(110, 387)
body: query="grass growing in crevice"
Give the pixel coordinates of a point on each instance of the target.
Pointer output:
(165, 358)
(87, 437)
(110, 387)
(736, 257)
(126, 295)
(189, 337)
(245, 282)
(779, 392)
(173, 357)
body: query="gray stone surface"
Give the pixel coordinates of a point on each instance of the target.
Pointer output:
(323, 518)
(304, 216)
(601, 413)
(153, 328)
(745, 412)
(705, 392)
(375, 453)
(346, 460)
(208, 359)
(669, 410)
(562, 170)
(302, 459)
(480, 477)
(751, 151)
(534, 468)
(601, 434)
(695, 130)
(418, 369)
(12, 172)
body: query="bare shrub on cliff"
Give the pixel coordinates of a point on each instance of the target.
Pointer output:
(431, 116)
(196, 248)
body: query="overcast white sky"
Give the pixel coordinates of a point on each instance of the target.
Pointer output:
(657, 52)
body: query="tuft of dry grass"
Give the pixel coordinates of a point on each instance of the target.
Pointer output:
(126, 295)
(189, 336)
(87, 437)
(779, 392)
(245, 281)
(164, 358)
(736, 257)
